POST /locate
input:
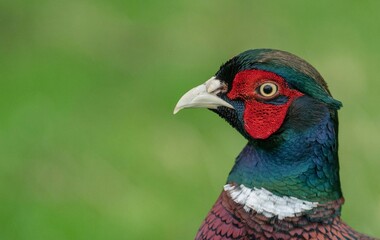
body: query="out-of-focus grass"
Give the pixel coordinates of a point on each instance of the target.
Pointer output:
(89, 148)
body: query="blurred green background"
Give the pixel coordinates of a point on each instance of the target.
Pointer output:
(89, 147)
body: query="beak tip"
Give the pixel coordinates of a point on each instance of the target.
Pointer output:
(177, 109)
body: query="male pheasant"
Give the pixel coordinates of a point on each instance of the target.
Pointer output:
(285, 182)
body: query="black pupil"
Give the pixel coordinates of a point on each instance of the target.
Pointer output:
(268, 89)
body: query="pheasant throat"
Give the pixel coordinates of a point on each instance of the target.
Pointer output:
(264, 202)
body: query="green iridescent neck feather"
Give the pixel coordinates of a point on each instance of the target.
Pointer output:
(300, 160)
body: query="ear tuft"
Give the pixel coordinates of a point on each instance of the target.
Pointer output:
(334, 103)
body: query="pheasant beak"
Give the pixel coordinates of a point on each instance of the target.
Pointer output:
(203, 96)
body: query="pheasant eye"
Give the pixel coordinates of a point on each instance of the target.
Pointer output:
(268, 89)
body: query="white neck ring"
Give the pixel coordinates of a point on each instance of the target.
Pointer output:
(267, 203)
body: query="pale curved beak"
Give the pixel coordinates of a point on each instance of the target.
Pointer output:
(203, 96)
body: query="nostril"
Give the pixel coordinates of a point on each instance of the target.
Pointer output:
(215, 86)
(212, 85)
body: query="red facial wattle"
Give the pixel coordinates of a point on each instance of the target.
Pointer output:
(261, 117)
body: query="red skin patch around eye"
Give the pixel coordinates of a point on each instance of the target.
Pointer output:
(261, 119)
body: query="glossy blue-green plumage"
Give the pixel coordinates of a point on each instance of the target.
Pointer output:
(301, 162)
(298, 160)
(301, 158)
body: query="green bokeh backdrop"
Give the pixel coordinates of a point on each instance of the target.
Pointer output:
(89, 148)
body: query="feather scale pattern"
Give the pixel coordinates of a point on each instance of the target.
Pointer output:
(229, 220)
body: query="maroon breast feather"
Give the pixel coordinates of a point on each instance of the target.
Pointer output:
(229, 220)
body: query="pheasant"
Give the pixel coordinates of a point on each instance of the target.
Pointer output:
(285, 183)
